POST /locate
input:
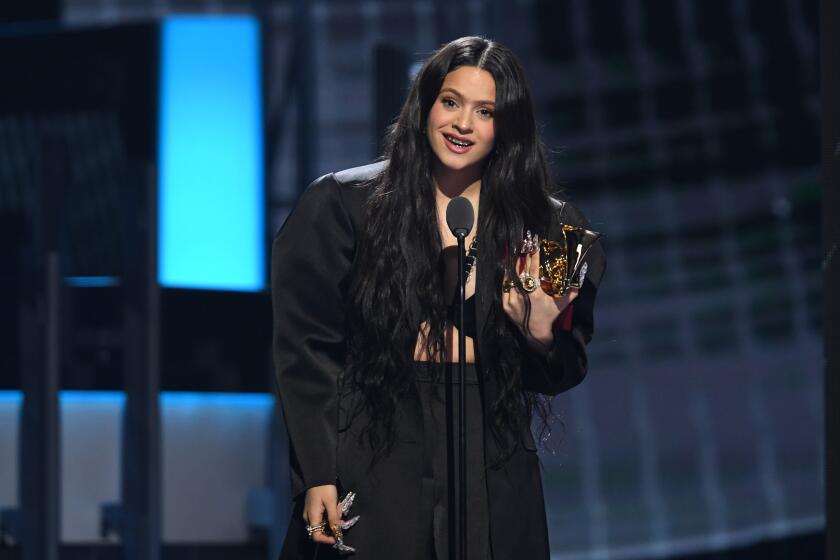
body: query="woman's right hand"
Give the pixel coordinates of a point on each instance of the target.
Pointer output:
(321, 504)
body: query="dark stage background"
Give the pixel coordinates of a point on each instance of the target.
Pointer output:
(687, 131)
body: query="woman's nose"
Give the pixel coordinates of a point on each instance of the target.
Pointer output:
(463, 122)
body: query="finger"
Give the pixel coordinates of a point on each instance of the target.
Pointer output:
(567, 299)
(312, 515)
(333, 516)
(516, 308)
(506, 301)
(316, 515)
(507, 294)
(535, 262)
(321, 538)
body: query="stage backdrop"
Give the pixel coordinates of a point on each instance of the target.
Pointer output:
(687, 131)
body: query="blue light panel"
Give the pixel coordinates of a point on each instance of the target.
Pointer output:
(221, 400)
(11, 398)
(179, 399)
(92, 281)
(211, 232)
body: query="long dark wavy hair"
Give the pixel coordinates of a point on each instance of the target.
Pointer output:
(398, 255)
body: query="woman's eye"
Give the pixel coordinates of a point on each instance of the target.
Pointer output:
(448, 102)
(486, 113)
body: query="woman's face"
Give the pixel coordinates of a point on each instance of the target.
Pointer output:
(460, 126)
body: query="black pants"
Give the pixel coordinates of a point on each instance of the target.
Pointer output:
(438, 392)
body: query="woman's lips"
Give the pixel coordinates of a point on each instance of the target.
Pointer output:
(455, 147)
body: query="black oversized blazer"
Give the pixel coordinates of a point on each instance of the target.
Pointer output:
(312, 257)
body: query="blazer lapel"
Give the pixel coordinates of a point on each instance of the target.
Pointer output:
(484, 287)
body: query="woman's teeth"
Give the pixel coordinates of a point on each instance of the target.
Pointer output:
(462, 143)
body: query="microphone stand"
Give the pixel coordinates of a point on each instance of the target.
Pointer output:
(462, 396)
(460, 218)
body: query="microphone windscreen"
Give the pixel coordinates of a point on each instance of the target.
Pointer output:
(460, 215)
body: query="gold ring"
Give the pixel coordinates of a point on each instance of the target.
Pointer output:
(507, 286)
(312, 529)
(529, 283)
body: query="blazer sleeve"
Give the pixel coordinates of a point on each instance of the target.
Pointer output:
(566, 364)
(311, 259)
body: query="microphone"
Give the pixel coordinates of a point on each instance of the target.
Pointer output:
(460, 216)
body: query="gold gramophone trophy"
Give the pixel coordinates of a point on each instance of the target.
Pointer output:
(562, 263)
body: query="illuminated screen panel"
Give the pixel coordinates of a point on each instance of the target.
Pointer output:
(211, 155)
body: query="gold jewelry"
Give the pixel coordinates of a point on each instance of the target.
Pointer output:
(529, 283)
(508, 285)
(312, 529)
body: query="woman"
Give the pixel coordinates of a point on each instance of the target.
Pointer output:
(363, 276)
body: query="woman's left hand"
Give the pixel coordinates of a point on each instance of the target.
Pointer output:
(544, 308)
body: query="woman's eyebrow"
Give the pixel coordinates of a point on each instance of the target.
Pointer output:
(458, 93)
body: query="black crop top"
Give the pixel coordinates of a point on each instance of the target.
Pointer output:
(469, 303)
(469, 316)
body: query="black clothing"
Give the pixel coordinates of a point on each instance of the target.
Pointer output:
(469, 316)
(439, 399)
(469, 303)
(311, 261)
(388, 505)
